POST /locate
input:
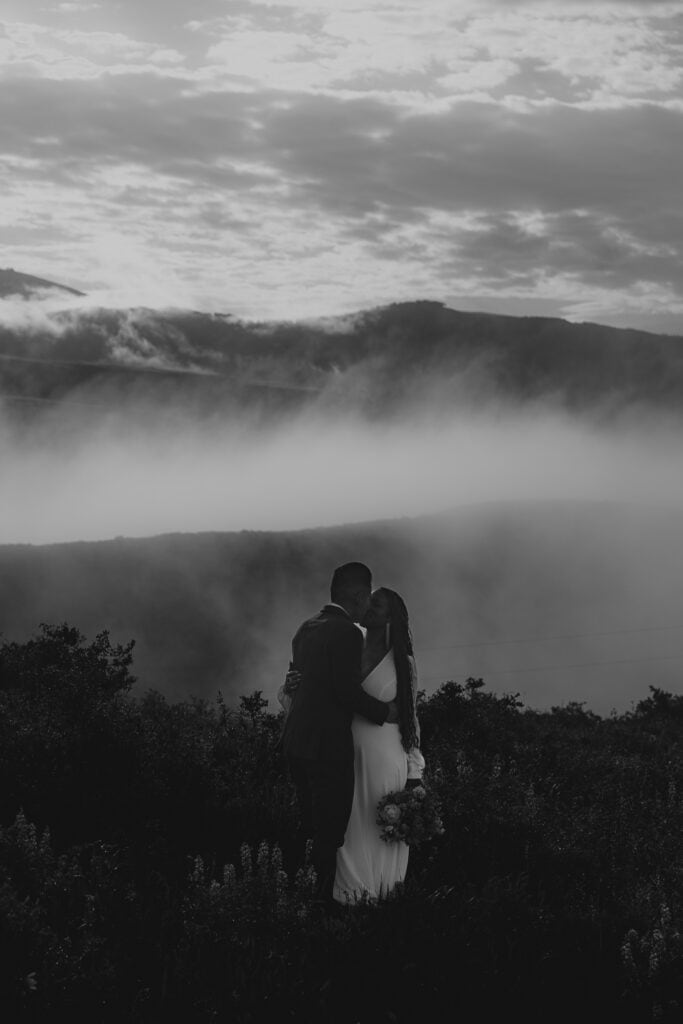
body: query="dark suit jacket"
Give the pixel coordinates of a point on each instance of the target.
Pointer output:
(327, 650)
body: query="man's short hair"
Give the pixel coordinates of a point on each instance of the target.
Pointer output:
(350, 576)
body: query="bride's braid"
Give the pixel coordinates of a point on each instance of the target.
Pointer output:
(402, 642)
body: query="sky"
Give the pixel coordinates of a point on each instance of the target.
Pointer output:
(304, 158)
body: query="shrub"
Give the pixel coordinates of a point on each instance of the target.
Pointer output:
(147, 860)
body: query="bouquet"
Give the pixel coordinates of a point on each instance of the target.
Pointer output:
(411, 816)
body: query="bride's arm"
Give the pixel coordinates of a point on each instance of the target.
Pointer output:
(416, 762)
(284, 698)
(416, 765)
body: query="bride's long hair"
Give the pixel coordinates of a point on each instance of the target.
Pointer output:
(401, 640)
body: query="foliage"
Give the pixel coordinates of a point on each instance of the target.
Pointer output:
(149, 867)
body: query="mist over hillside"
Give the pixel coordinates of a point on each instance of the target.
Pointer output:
(379, 361)
(139, 422)
(595, 587)
(225, 455)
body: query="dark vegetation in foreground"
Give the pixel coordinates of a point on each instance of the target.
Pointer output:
(145, 867)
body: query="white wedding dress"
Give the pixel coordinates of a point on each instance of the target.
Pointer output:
(365, 863)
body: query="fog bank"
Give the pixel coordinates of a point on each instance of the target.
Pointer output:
(138, 474)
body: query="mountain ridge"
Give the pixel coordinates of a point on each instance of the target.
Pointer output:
(16, 283)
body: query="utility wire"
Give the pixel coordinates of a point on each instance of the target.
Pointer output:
(209, 375)
(556, 636)
(95, 365)
(562, 668)
(50, 401)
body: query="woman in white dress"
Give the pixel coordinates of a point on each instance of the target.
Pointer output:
(386, 759)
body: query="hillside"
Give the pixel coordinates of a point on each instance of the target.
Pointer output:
(380, 361)
(217, 610)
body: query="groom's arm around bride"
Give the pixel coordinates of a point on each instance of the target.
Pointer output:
(327, 651)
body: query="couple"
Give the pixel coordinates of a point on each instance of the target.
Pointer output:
(351, 733)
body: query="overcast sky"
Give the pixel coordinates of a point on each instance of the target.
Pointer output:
(306, 157)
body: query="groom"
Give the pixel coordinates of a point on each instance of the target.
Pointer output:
(317, 741)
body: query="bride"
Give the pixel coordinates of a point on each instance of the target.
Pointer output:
(385, 760)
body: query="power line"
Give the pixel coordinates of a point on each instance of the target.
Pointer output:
(95, 365)
(65, 402)
(176, 372)
(562, 668)
(556, 636)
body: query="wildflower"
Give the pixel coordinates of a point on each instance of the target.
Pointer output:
(245, 858)
(628, 945)
(656, 951)
(276, 859)
(197, 874)
(263, 856)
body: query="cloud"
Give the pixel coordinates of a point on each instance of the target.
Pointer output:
(480, 155)
(422, 55)
(312, 158)
(31, 314)
(591, 249)
(309, 196)
(76, 8)
(73, 54)
(116, 258)
(158, 470)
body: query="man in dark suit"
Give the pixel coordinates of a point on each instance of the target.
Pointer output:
(317, 741)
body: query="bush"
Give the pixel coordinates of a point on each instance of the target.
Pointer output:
(147, 860)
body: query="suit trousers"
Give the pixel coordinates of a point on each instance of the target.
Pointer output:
(325, 795)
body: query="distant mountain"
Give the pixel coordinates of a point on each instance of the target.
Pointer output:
(380, 361)
(510, 592)
(14, 283)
